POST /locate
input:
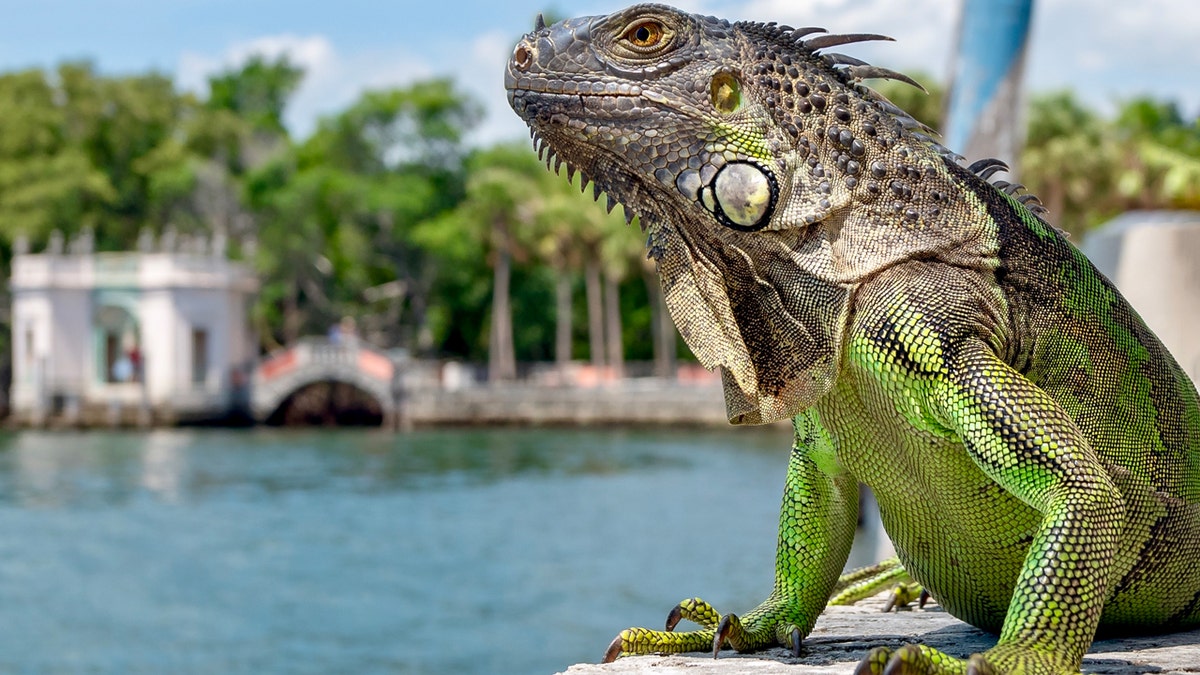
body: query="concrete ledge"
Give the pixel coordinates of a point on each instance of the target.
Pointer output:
(844, 635)
(628, 402)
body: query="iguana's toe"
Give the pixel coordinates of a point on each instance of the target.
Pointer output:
(646, 641)
(694, 610)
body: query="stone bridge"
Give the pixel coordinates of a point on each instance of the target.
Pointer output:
(311, 360)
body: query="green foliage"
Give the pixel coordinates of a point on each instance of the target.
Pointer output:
(340, 214)
(257, 92)
(1087, 169)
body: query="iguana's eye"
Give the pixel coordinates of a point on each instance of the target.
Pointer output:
(645, 34)
(726, 93)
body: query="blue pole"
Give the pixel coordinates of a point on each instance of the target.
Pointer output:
(983, 112)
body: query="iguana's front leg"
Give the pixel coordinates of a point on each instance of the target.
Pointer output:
(1024, 441)
(816, 527)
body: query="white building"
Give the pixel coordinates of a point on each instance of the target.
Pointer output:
(160, 335)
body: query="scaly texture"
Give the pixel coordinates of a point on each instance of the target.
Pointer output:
(1034, 449)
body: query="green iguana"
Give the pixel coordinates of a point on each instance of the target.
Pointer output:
(1034, 449)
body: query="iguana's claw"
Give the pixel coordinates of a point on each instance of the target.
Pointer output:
(745, 636)
(614, 650)
(923, 598)
(674, 617)
(977, 665)
(694, 610)
(874, 662)
(727, 625)
(903, 595)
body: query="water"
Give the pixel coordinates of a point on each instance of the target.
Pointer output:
(268, 551)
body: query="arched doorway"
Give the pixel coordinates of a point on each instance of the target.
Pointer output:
(119, 345)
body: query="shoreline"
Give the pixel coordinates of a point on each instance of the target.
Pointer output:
(648, 402)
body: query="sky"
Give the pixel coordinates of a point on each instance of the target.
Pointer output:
(1106, 51)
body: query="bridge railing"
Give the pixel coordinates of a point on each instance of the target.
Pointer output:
(309, 360)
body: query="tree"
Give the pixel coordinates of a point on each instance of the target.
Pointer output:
(1161, 158)
(1069, 156)
(257, 92)
(558, 246)
(47, 178)
(502, 199)
(338, 214)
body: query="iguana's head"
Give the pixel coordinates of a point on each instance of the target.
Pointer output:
(771, 183)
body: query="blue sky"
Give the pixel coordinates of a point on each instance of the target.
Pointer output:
(1106, 51)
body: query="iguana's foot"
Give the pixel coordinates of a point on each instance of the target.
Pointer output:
(771, 623)
(922, 660)
(874, 579)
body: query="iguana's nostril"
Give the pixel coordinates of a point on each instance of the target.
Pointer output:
(522, 57)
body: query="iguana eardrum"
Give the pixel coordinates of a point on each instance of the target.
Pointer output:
(1034, 449)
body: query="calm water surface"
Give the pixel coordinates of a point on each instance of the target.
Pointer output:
(466, 552)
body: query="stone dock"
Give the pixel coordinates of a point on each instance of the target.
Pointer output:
(844, 635)
(645, 401)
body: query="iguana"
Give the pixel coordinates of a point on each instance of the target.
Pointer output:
(1034, 448)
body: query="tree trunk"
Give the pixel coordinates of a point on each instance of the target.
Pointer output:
(420, 296)
(612, 324)
(595, 306)
(502, 362)
(664, 331)
(562, 321)
(291, 314)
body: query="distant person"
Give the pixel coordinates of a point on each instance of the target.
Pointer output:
(345, 332)
(135, 361)
(122, 369)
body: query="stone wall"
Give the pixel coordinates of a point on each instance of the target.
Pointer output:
(640, 401)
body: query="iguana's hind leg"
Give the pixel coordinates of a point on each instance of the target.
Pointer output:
(816, 527)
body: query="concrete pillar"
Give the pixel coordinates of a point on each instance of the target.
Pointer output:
(1151, 256)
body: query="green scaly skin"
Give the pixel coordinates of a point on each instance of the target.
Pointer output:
(1034, 449)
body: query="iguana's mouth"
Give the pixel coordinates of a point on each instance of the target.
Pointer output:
(569, 88)
(543, 99)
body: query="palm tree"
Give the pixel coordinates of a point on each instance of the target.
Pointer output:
(558, 245)
(503, 196)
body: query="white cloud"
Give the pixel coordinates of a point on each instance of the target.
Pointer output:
(335, 78)
(480, 72)
(1123, 50)
(923, 30)
(332, 79)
